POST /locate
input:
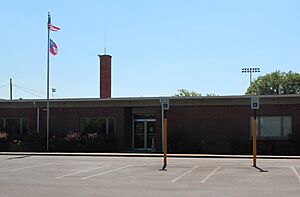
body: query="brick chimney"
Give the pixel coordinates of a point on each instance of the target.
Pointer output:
(105, 76)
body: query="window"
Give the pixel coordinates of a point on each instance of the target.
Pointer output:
(111, 126)
(98, 125)
(272, 127)
(14, 126)
(24, 125)
(1, 124)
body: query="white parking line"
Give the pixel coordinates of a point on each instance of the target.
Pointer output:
(296, 173)
(16, 169)
(80, 172)
(174, 180)
(212, 173)
(107, 172)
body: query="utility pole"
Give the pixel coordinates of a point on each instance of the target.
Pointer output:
(10, 88)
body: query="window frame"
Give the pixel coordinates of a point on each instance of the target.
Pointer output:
(282, 127)
(20, 120)
(107, 121)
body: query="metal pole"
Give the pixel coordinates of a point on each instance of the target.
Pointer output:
(162, 128)
(250, 76)
(165, 144)
(254, 139)
(10, 88)
(48, 74)
(38, 120)
(99, 76)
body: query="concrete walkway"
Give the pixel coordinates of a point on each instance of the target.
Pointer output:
(147, 155)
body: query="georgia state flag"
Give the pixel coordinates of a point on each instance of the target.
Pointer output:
(53, 48)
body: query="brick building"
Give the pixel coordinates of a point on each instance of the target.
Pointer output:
(219, 124)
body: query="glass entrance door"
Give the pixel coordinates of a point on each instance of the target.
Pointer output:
(144, 134)
(150, 134)
(139, 134)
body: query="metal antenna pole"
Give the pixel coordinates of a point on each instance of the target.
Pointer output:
(105, 43)
(104, 24)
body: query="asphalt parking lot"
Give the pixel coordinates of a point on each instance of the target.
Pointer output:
(140, 176)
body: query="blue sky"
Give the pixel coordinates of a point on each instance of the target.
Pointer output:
(158, 46)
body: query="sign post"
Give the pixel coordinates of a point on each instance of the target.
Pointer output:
(164, 106)
(254, 107)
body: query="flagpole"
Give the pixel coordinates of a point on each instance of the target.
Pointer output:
(48, 74)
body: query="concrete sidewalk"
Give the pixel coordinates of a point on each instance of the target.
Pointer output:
(147, 155)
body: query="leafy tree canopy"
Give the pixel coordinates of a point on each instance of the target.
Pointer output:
(186, 92)
(276, 83)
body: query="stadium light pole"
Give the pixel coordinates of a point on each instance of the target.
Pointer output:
(250, 71)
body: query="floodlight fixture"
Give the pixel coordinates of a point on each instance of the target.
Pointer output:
(251, 70)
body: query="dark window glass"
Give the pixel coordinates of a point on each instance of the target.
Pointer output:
(25, 126)
(151, 135)
(272, 127)
(12, 126)
(111, 127)
(98, 125)
(83, 124)
(1, 124)
(139, 137)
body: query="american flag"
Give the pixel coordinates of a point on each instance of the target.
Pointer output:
(52, 27)
(53, 48)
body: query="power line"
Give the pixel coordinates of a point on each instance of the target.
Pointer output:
(30, 93)
(27, 91)
(4, 85)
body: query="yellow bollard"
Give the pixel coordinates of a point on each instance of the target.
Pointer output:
(254, 142)
(165, 144)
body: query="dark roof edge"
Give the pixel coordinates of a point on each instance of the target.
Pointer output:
(151, 98)
(152, 101)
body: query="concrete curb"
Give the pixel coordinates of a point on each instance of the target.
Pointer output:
(148, 155)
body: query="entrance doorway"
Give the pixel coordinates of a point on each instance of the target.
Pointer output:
(144, 134)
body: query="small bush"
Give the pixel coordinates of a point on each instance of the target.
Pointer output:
(3, 135)
(72, 137)
(73, 141)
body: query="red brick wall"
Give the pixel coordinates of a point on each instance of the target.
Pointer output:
(105, 76)
(221, 129)
(208, 128)
(198, 129)
(64, 120)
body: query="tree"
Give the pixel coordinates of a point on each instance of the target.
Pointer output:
(212, 94)
(186, 92)
(276, 83)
